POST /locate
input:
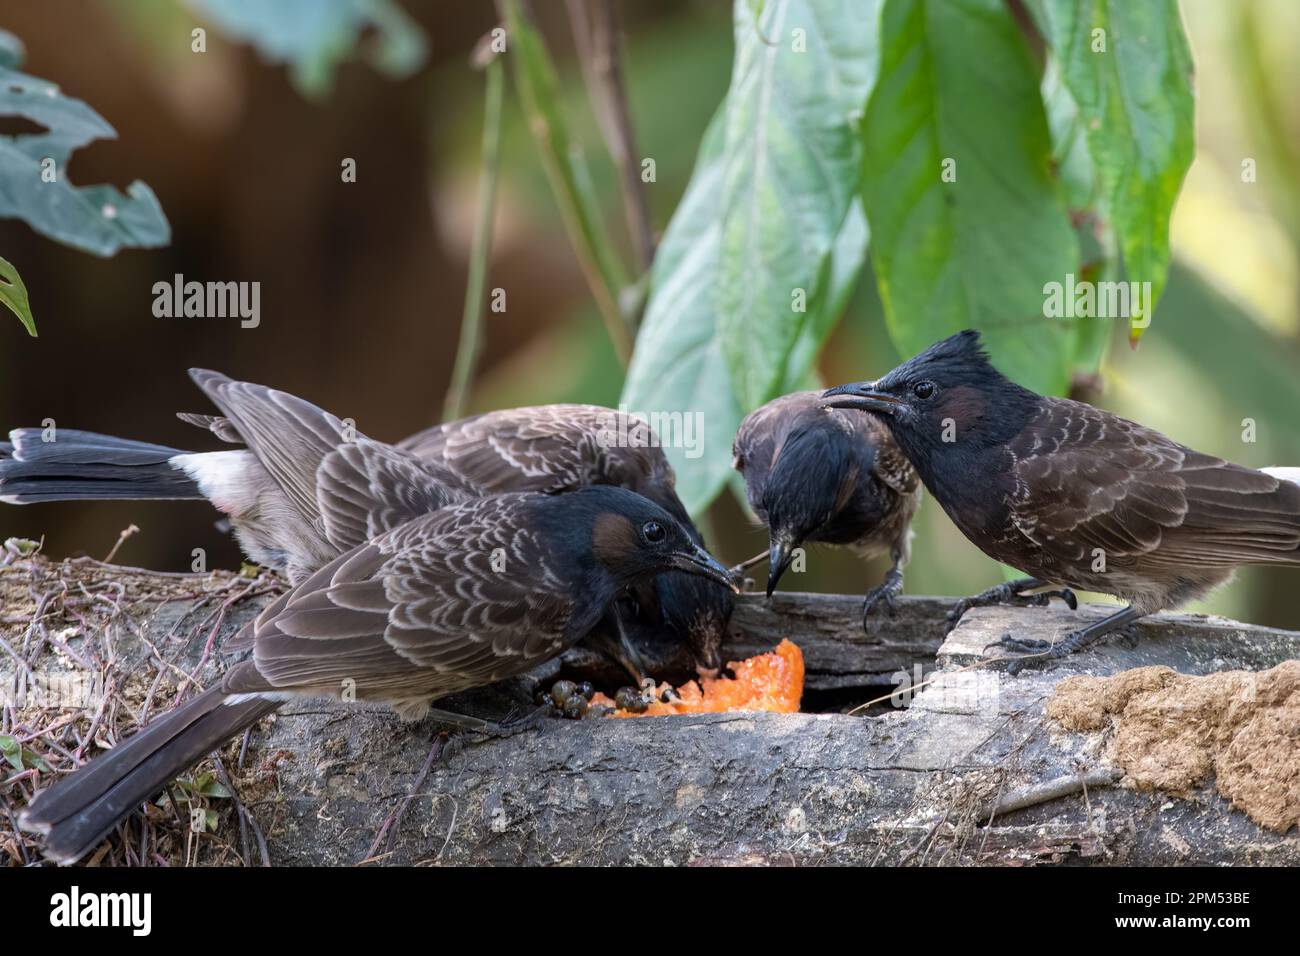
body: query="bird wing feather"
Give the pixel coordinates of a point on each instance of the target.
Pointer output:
(422, 608)
(1087, 479)
(549, 448)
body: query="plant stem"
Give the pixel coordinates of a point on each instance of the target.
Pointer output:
(471, 321)
(536, 81)
(598, 37)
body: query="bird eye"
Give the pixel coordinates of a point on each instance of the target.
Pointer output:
(653, 532)
(923, 390)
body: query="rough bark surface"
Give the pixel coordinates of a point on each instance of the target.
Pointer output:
(971, 772)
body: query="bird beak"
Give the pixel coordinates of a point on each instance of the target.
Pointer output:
(779, 554)
(862, 396)
(698, 561)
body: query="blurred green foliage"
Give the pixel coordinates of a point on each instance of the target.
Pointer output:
(314, 36)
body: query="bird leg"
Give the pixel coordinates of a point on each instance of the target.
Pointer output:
(1011, 592)
(492, 728)
(887, 590)
(1036, 651)
(738, 571)
(612, 641)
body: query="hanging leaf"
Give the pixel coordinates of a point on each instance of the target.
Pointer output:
(1129, 68)
(34, 184)
(315, 36)
(791, 156)
(13, 294)
(968, 223)
(679, 363)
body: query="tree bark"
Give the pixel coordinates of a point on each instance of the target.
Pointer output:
(971, 771)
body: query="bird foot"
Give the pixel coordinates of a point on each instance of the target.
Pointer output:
(889, 589)
(1027, 650)
(1009, 594)
(491, 728)
(1033, 651)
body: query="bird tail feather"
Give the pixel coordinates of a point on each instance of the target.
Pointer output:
(81, 809)
(78, 465)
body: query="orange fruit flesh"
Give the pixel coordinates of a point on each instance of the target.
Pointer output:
(771, 681)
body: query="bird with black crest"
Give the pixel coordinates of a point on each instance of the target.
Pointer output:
(458, 598)
(294, 452)
(1075, 496)
(817, 475)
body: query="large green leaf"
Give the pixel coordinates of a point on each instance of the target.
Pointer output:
(791, 156)
(719, 336)
(957, 85)
(1132, 83)
(315, 36)
(679, 363)
(13, 295)
(98, 219)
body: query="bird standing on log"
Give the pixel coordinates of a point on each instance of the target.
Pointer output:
(557, 448)
(456, 599)
(269, 495)
(1073, 495)
(816, 475)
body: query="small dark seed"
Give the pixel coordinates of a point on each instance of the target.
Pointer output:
(625, 696)
(561, 692)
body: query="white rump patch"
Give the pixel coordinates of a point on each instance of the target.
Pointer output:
(1286, 474)
(222, 476)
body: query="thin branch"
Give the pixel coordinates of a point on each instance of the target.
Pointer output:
(536, 82)
(471, 322)
(598, 36)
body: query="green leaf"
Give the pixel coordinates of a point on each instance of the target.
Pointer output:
(96, 219)
(11, 51)
(11, 751)
(14, 295)
(770, 208)
(679, 363)
(791, 161)
(1132, 83)
(315, 36)
(958, 90)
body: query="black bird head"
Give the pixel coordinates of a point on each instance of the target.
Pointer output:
(809, 483)
(947, 398)
(697, 609)
(802, 464)
(630, 538)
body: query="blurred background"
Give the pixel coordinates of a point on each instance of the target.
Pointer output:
(362, 283)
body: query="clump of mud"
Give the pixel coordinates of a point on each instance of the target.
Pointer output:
(1172, 732)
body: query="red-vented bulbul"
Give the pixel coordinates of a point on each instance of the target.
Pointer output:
(459, 598)
(267, 490)
(818, 475)
(1073, 495)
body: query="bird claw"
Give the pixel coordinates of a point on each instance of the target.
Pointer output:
(1005, 594)
(1029, 650)
(886, 592)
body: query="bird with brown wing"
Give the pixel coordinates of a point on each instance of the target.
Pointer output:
(1073, 495)
(451, 600)
(267, 489)
(816, 475)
